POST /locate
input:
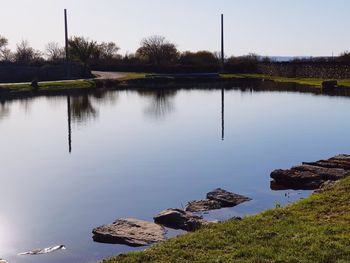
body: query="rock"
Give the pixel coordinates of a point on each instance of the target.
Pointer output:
(35, 85)
(202, 205)
(179, 219)
(329, 85)
(47, 250)
(129, 231)
(313, 174)
(339, 161)
(227, 199)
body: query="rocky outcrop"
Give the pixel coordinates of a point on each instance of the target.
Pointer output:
(179, 219)
(313, 174)
(129, 231)
(202, 205)
(227, 199)
(216, 199)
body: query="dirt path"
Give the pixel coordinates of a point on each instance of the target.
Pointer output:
(109, 75)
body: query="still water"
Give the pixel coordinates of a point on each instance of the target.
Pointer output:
(134, 153)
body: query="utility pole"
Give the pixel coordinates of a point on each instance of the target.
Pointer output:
(222, 42)
(66, 44)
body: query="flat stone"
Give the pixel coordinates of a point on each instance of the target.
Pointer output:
(313, 174)
(179, 219)
(227, 199)
(202, 205)
(339, 161)
(129, 231)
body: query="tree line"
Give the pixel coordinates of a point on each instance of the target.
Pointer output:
(154, 50)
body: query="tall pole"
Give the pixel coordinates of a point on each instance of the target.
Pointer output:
(222, 42)
(66, 44)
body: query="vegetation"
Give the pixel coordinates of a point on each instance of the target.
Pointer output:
(56, 85)
(316, 229)
(81, 49)
(301, 81)
(54, 52)
(157, 50)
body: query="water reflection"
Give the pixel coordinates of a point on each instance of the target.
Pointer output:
(4, 110)
(82, 109)
(69, 113)
(222, 114)
(161, 102)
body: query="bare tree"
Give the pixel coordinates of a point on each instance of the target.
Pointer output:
(106, 50)
(3, 45)
(7, 55)
(26, 54)
(157, 50)
(54, 51)
(3, 42)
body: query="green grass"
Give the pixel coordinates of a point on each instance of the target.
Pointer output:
(81, 84)
(316, 229)
(59, 85)
(302, 81)
(132, 76)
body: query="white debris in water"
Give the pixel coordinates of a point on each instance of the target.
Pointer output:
(42, 251)
(3, 260)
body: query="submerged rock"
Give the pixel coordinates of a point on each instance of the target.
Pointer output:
(43, 251)
(313, 174)
(202, 205)
(227, 199)
(179, 219)
(129, 231)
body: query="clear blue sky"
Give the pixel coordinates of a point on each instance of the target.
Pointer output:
(266, 27)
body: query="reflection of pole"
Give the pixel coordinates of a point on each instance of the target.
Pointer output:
(69, 125)
(222, 42)
(66, 44)
(222, 114)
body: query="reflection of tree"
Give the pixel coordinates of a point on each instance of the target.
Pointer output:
(161, 102)
(4, 110)
(82, 108)
(104, 97)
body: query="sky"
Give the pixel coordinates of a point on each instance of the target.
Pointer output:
(264, 27)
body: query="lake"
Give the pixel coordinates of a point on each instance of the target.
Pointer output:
(69, 164)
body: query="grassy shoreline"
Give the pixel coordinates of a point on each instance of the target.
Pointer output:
(125, 82)
(316, 229)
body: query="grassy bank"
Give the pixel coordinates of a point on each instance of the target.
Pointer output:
(316, 229)
(301, 81)
(83, 84)
(55, 85)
